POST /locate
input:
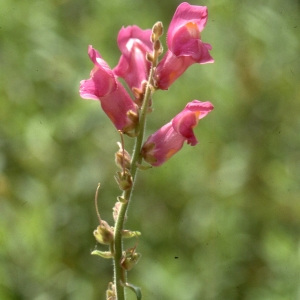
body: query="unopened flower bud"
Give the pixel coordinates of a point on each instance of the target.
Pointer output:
(157, 46)
(149, 57)
(157, 31)
(158, 50)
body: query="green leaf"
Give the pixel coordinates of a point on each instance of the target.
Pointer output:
(130, 234)
(137, 290)
(143, 167)
(104, 254)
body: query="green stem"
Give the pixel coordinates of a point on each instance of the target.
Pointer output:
(119, 273)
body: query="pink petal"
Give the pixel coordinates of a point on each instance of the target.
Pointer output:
(185, 44)
(167, 142)
(169, 139)
(184, 124)
(170, 68)
(133, 33)
(102, 79)
(134, 43)
(186, 13)
(116, 105)
(203, 107)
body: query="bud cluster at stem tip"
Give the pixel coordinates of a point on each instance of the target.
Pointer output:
(157, 31)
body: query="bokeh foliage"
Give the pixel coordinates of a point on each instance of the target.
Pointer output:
(229, 208)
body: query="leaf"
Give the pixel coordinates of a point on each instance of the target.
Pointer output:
(130, 234)
(137, 290)
(104, 254)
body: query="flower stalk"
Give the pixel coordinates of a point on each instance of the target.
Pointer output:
(120, 277)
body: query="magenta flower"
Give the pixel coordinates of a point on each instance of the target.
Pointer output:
(114, 99)
(184, 44)
(133, 67)
(169, 139)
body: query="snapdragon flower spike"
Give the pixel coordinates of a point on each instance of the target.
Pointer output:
(104, 86)
(169, 139)
(184, 44)
(133, 67)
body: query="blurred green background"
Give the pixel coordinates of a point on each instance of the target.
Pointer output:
(229, 208)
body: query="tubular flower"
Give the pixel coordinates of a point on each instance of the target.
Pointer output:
(133, 67)
(169, 139)
(114, 99)
(184, 44)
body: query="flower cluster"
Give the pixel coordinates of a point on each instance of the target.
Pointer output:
(185, 48)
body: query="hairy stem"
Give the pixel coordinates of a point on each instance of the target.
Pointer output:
(119, 273)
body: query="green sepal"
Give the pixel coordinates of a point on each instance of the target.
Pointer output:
(131, 134)
(103, 254)
(143, 167)
(127, 234)
(122, 200)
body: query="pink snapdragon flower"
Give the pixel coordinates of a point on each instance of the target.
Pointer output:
(169, 139)
(184, 44)
(114, 99)
(133, 67)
